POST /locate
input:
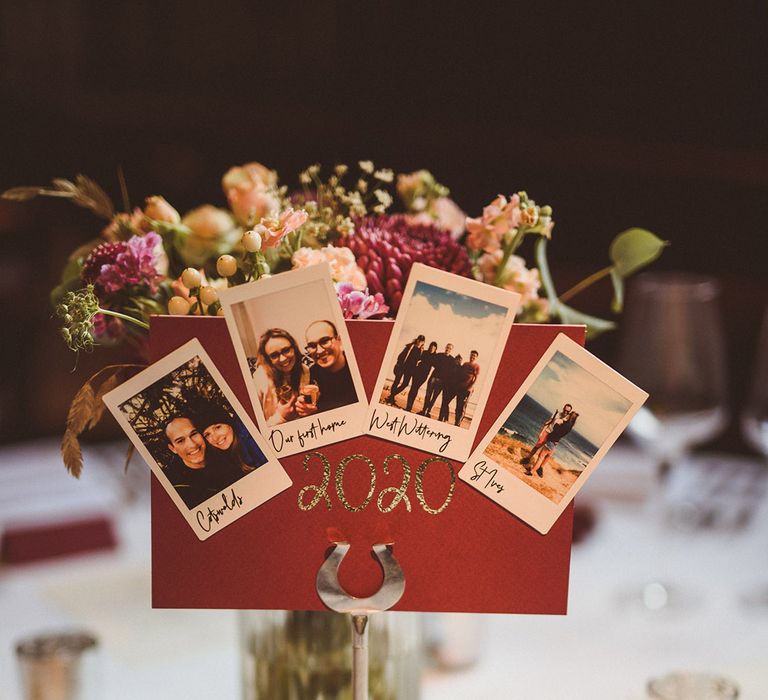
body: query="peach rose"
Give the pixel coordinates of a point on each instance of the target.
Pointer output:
(212, 232)
(250, 191)
(158, 209)
(254, 174)
(341, 260)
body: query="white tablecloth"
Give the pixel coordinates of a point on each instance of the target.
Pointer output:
(607, 646)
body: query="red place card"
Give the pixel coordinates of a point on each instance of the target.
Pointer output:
(459, 550)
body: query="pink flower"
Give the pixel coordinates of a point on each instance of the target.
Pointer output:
(273, 230)
(515, 277)
(250, 191)
(341, 261)
(111, 267)
(499, 218)
(359, 304)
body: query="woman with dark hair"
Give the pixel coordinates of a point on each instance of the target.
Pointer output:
(228, 437)
(281, 378)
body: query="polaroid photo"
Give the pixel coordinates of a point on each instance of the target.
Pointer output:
(440, 362)
(297, 359)
(552, 434)
(197, 439)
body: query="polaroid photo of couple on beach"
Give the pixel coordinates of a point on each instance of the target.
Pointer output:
(197, 439)
(552, 434)
(440, 362)
(292, 345)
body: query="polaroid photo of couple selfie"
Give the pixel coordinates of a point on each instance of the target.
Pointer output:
(296, 357)
(197, 439)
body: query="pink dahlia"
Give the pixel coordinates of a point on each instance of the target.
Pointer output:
(111, 267)
(387, 246)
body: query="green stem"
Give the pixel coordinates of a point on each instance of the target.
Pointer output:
(586, 282)
(124, 317)
(503, 264)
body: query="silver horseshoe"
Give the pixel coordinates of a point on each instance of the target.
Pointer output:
(336, 598)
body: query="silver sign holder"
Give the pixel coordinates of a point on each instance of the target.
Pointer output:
(359, 609)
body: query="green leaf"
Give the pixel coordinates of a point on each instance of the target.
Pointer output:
(618, 292)
(633, 249)
(595, 326)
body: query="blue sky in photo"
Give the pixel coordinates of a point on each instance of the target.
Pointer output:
(461, 304)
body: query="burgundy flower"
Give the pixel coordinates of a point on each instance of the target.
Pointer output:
(104, 254)
(111, 267)
(387, 246)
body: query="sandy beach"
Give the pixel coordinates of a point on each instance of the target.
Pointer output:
(402, 398)
(507, 453)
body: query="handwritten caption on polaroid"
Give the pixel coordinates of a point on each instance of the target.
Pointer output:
(486, 477)
(408, 425)
(399, 494)
(229, 501)
(280, 437)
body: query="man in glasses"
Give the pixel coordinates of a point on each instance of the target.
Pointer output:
(330, 371)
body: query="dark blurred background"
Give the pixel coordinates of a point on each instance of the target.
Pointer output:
(617, 114)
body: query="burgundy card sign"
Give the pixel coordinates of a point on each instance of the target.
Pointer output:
(459, 550)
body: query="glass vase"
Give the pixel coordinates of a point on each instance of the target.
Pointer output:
(308, 655)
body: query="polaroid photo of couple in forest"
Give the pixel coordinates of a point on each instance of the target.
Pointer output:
(198, 440)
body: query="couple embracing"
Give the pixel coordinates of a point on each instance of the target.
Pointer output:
(209, 450)
(554, 429)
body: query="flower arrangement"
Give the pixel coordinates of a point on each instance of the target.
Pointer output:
(151, 260)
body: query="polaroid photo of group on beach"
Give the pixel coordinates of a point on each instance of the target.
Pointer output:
(197, 439)
(552, 434)
(440, 362)
(295, 354)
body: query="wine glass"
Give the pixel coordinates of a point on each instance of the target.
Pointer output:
(754, 419)
(754, 425)
(673, 347)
